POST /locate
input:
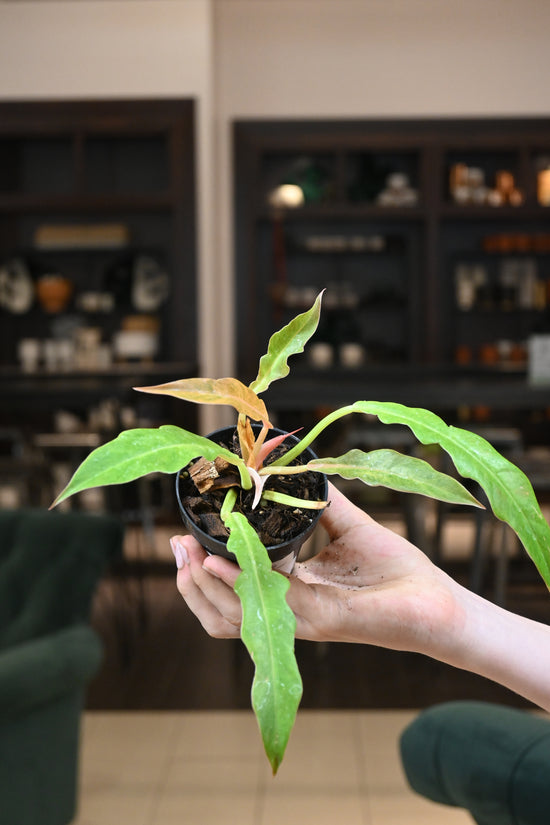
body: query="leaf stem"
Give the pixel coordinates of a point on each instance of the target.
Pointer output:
(313, 434)
(278, 470)
(291, 501)
(228, 503)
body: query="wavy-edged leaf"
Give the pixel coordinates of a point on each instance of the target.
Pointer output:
(290, 340)
(135, 453)
(508, 489)
(267, 630)
(229, 391)
(388, 468)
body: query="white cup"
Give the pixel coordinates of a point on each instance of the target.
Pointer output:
(321, 355)
(28, 353)
(351, 355)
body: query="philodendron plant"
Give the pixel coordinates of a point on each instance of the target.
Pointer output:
(268, 624)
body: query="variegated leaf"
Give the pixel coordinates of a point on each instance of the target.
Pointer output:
(404, 473)
(135, 453)
(267, 630)
(290, 340)
(229, 391)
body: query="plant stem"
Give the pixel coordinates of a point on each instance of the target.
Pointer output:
(228, 503)
(291, 501)
(312, 435)
(283, 471)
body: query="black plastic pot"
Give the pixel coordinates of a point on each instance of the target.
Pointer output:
(283, 556)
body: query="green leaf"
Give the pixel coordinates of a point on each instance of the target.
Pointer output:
(229, 391)
(135, 453)
(290, 340)
(388, 468)
(508, 489)
(268, 628)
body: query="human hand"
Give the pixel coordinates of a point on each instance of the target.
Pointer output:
(367, 585)
(370, 585)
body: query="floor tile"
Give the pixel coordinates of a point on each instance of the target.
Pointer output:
(313, 809)
(404, 809)
(229, 808)
(132, 806)
(321, 753)
(379, 734)
(205, 767)
(209, 775)
(229, 734)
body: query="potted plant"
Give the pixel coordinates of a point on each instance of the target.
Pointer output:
(283, 509)
(243, 471)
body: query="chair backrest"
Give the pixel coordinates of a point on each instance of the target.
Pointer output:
(50, 563)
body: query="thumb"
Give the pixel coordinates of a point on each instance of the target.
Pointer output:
(341, 514)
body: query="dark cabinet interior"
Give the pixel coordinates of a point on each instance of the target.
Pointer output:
(97, 274)
(97, 229)
(432, 239)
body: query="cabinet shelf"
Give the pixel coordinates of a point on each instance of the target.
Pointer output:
(505, 214)
(345, 212)
(505, 314)
(343, 166)
(21, 203)
(77, 389)
(72, 170)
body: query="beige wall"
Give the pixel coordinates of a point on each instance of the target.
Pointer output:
(82, 48)
(382, 57)
(288, 58)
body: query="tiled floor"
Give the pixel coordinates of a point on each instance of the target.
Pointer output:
(203, 767)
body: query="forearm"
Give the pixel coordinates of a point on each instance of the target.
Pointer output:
(502, 646)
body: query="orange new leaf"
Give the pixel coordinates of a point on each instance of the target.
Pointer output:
(246, 438)
(228, 391)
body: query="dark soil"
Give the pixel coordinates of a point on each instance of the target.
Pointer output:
(275, 523)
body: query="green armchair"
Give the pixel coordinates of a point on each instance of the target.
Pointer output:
(491, 760)
(50, 564)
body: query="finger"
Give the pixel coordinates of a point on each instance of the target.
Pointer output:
(205, 589)
(181, 545)
(225, 570)
(208, 615)
(212, 584)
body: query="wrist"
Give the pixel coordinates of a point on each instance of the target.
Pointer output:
(499, 645)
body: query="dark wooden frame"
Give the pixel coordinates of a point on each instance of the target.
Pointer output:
(77, 120)
(432, 139)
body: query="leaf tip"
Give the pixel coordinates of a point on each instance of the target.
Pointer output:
(59, 498)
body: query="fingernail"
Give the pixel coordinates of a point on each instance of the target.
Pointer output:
(210, 572)
(180, 553)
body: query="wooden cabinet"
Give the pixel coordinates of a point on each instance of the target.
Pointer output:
(431, 238)
(100, 194)
(97, 284)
